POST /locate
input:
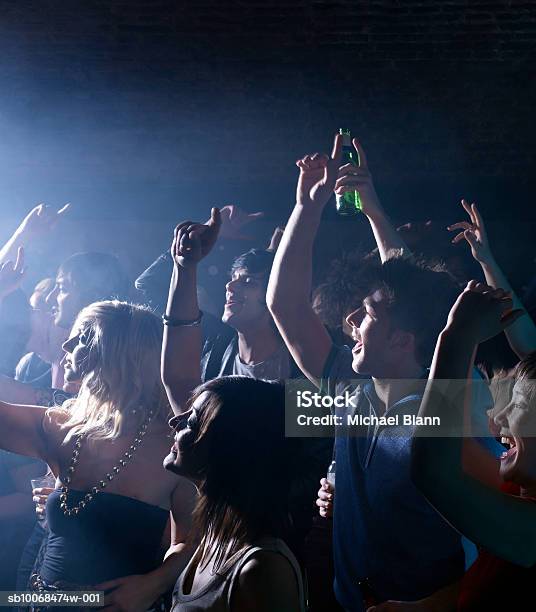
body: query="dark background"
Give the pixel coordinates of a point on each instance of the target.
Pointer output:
(145, 113)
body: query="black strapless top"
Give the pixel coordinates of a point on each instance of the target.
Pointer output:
(113, 536)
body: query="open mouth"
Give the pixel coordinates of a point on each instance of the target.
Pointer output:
(511, 443)
(508, 440)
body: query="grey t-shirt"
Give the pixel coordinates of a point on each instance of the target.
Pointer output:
(276, 367)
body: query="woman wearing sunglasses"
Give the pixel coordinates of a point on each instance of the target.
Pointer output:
(109, 513)
(230, 441)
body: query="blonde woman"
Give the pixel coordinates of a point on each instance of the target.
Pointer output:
(108, 514)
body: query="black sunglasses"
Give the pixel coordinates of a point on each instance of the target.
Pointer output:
(179, 421)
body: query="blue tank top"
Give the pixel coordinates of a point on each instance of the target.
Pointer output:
(113, 536)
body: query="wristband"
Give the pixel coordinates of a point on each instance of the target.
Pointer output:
(172, 322)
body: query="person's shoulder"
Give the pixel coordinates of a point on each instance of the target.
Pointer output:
(32, 369)
(267, 582)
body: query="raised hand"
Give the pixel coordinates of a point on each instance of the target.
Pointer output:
(358, 178)
(11, 274)
(194, 241)
(41, 220)
(475, 234)
(318, 174)
(234, 220)
(481, 312)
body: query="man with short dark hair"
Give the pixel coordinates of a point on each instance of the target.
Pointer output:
(389, 544)
(255, 349)
(250, 347)
(248, 342)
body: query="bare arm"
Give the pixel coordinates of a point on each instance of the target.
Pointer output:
(522, 333)
(16, 392)
(17, 241)
(39, 220)
(503, 524)
(351, 178)
(289, 290)
(181, 346)
(289, 287)
(182, 543)
(21, 430)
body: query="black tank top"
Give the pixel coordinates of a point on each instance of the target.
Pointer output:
(113, 536)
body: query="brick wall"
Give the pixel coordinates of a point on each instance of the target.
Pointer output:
(161, 109)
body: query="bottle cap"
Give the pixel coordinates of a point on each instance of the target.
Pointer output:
(346, 137)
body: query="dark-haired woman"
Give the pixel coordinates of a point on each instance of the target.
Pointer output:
(229, 440)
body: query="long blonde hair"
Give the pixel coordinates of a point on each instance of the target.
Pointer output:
(123, 384)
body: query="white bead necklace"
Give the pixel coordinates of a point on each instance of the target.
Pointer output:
(125, 459)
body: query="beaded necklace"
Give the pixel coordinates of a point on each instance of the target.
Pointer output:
(125, 459)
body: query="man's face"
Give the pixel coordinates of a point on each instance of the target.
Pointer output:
(245, 300)
(66, 302)
(372, 332)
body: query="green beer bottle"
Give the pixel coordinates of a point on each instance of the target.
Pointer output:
(349, 203)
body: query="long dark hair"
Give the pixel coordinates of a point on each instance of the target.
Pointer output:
(246, 478)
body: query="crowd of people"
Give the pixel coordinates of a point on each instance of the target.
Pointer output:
(159, 429)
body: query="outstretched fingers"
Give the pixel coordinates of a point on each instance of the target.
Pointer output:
(461, 225)
(312, 162)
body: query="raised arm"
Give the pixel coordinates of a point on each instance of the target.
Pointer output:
(39, 220)
(181, 346)
(289, 289)
(11, 274)
(501, 523)
(522, 333)
(11, 390)
(352, 178)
